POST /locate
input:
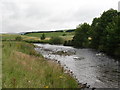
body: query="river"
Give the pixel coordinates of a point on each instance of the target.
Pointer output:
(87, 65)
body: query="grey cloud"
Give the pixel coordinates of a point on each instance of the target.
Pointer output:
(10, 7)
(45, 15)
(37, 12)
(18, 28)
(119, 6)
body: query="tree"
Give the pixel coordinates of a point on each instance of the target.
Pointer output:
(98, 26)
(95, 32)
(106, 18)
(81, 35)
(103, 34)
(43, 36)
(112, 45)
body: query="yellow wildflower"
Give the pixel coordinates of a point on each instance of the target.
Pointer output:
(61, 77)
(89, 38)
(46, 87)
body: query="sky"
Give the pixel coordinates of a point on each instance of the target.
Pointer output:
(40, 15)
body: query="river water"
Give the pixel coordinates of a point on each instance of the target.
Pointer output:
(88, 66)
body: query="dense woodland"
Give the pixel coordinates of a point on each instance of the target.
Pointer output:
(103, 34)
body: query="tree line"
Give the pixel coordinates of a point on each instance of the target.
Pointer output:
(103, 34)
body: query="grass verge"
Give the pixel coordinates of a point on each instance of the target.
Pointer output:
(25, 68)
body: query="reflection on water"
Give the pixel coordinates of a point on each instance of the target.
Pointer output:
(88, 66)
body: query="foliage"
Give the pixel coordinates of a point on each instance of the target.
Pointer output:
(103, 34)
(68, 43)
(18, 38)
(56, 40)
(50, 34)
(43, 36)
(106, 34)
(64, 34)
(23, 67)
(81, 35)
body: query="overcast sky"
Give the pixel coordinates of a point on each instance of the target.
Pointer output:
(36, 15)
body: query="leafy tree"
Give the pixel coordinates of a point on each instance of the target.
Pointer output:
(43, 36)
(103, 34)
(95, 32)
(81, 35)
(112, 38)
(106, 18)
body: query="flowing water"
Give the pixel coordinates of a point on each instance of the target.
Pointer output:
(88, 66)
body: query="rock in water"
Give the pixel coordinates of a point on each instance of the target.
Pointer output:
(78, 58)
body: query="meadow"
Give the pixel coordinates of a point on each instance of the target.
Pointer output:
(36, 36)
(64, 35)
(23, 67)
(0, 63)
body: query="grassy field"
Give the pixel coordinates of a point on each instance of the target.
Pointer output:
(25, 68)
(13, 36)
(50, 34)
(0, 63)
(36, 36)
(64, 35)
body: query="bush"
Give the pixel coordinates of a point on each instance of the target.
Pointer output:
(68, 43)
(18, 38)
(56, 40)
(64, 34)
(43, 36)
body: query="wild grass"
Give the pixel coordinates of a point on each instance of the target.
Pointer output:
(51, 34)
(0, 63)
(64, 35)
(35, 37)
(23, 67)
(13, 37)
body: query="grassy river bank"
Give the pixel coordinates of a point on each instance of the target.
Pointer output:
(23, 67)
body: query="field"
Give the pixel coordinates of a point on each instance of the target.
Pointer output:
(0, 64)
(13, 36)
(64, 35)
(23, 67)
(36, 36)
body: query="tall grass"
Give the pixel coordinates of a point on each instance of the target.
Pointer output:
(25, 68)
(0, 63)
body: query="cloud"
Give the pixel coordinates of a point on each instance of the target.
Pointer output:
(29, 15)
(119, 6)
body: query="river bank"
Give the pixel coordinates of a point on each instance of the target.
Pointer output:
(23, 67)
(87, 65)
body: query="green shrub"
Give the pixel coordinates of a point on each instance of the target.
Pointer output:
(43, 36)
(64, 34)
(18, 38)
(56, 40)
(68, 43)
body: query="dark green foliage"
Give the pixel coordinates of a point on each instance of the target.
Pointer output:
(68, 43)
(81, 35)
(104, 33)
(56, 40)
(64, 34)
(18, 38)
(43, 36)
(111, 43)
